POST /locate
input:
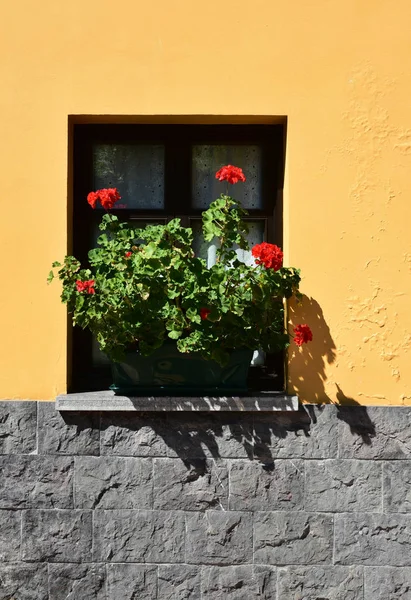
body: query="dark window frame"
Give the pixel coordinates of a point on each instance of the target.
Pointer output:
(177, 140)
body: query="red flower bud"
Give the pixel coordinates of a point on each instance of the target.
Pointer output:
(204, 312)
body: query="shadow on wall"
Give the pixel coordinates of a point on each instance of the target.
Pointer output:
(307, 365)
(197, 437)
(310, 365)
(261, 437)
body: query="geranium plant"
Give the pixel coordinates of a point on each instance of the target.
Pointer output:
(144, 286)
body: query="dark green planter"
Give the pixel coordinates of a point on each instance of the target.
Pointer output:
(169, 372)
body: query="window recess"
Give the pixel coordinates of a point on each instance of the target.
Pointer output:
(168, 171)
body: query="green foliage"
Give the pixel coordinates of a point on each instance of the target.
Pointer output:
(159, 289)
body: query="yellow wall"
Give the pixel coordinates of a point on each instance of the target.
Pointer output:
(340, 72)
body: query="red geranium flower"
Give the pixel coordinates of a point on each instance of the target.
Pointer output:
(128, 254)
(269, 255)
(92, 199)
(302, 334)
(230, 174)
(107, 198)
(86, 286)
(204, 312)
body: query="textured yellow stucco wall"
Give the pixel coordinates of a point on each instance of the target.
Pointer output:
(340, 72)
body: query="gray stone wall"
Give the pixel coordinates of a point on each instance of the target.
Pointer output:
(313, 505)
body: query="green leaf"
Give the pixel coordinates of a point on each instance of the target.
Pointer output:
(79, 302)
(193, 315)
(50, 277)
(174, 335)
(102, 240)
(173, 293)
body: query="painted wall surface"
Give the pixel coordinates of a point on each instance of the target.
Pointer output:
(339, 71)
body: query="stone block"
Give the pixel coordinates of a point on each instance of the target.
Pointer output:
(266, 582)
(283, 538)
(199, 485)
(243, 582)
(179, 582)
(279, 486)
(20, 581)
(10, 535)
(132, 582)
(77, 582)
(387, 583)
(133, 435)
(57, 536)
(72, 433)
(36, 482)
(204, 435)
(219, 537)
(310, 432)
(397, 486)
(343, 486)
(321, 583)
(372, 539)
(113, 482)
(139, 536)
(18, 427)
(375, 432)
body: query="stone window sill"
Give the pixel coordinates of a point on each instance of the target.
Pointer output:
(107, 401)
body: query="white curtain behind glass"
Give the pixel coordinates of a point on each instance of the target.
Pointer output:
(208, 159)
(136, 170)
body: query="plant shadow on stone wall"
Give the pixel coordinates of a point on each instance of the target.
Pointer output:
(310, 364)
(196, 437)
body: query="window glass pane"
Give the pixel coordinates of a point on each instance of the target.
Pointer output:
(137, 171)
(207, 250)
(208, 159)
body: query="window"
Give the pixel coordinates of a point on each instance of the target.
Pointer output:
(168, 171)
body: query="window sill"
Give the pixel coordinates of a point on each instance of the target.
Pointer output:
(107, 401)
